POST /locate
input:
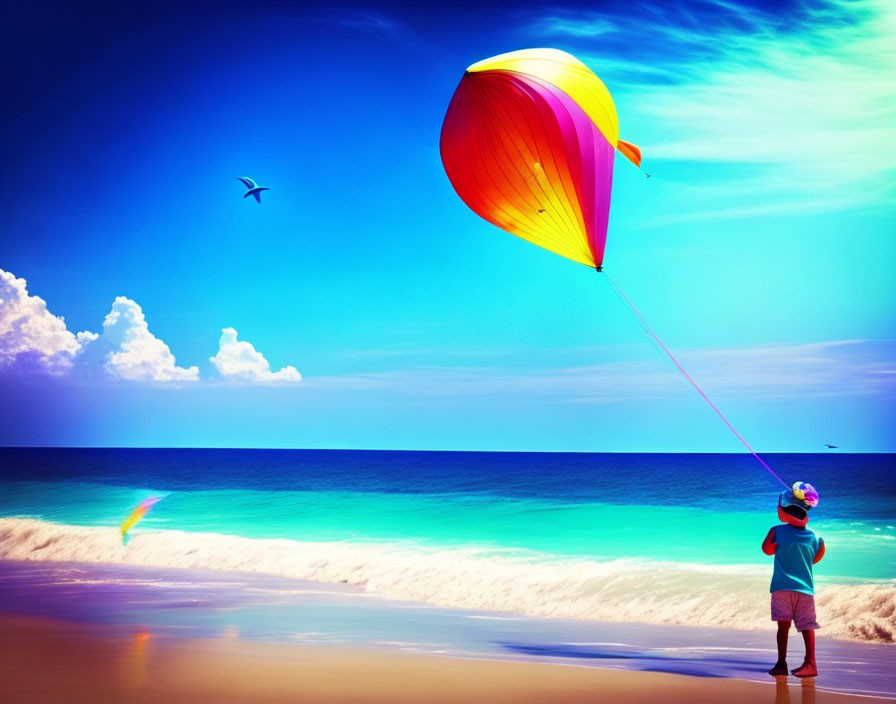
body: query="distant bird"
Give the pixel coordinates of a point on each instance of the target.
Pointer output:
(831, 447)
(254, 189)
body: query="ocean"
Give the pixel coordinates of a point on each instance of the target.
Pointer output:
(635, 538)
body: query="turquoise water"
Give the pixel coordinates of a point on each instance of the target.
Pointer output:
(637, 538)
(856, 549)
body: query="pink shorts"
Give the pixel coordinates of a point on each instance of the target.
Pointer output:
(796, 607)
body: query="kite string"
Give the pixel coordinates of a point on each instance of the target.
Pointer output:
(643, 323)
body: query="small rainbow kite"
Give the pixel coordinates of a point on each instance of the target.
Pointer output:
(138, 513)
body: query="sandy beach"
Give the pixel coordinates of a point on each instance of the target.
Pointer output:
(55, 661)
(409, 577)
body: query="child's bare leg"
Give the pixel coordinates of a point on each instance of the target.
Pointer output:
(780, 667)
(808, 668)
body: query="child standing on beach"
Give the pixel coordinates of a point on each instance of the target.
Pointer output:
(796, 549)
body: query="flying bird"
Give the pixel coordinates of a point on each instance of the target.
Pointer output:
(831, 447)
(254, 189)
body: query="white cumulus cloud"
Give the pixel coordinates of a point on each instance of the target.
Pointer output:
(31, 334)
(32, 339)
(136, 354)
(239, 360)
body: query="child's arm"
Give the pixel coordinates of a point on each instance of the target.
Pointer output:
(769, 546)
(820, 553)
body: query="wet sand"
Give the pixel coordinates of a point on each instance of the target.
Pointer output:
(54, 661)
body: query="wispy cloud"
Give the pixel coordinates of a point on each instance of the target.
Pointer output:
(366, 21)
(573, 26)
(831, 368)
(803, 103)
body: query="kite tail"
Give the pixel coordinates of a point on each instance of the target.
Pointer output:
(643, 323)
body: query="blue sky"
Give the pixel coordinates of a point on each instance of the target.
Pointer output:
(761, 249)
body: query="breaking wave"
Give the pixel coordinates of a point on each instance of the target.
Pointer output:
(630, 590)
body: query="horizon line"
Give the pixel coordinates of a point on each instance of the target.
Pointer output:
(361, 449)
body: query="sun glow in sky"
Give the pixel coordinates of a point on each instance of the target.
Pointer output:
(144, 301)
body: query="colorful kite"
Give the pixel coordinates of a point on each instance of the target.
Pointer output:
(528, 143)
(138, 513)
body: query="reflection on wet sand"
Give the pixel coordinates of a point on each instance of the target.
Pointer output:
(133, 666)
(46, 662)
(782, 691)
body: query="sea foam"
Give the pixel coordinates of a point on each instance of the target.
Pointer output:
(630, 590)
